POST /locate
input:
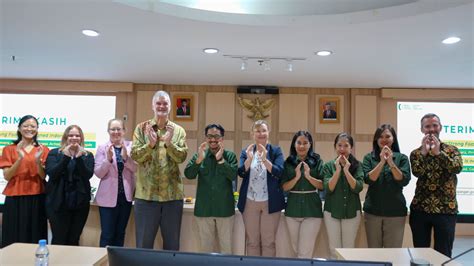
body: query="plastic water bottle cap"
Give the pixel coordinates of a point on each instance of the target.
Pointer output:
(42, 242)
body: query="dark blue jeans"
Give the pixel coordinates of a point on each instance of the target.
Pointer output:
(113, 222)
(444, 226)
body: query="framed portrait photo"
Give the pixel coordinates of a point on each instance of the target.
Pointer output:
(182, 107)
(329, 110)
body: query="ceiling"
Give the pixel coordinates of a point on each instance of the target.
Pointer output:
(153, 41)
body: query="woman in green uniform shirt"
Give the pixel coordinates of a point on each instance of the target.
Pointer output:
(302, 177)
(386, 171)
(343, 180)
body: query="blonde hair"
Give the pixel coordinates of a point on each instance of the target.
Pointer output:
(118, 120)
(260, 123)
(66, 134)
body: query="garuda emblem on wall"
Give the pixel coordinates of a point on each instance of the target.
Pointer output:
(257, 107)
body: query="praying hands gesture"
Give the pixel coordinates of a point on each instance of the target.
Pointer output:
(261, 153)
(430, 143)
(386, 156)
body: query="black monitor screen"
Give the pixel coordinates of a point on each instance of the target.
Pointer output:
(119, 256)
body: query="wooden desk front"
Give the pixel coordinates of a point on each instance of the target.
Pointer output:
(397, 256)
(24, 254)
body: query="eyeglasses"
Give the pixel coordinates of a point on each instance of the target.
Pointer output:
(211, 136)
(115, 129)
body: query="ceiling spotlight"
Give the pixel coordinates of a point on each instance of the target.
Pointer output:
(90, 33)
(210, 50)
(323, 53)
(266, 65)
(243, 66)
(451, 40)
(289, 65)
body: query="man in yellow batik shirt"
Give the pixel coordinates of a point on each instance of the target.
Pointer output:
(159, 146)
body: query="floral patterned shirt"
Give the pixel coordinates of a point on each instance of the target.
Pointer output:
(436, 186)
(258, 190)
(158, 177)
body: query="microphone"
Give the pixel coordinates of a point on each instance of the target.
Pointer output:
(448, 261)
(417, 262)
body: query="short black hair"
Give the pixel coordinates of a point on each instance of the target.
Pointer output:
(429, 115)
(219, 127)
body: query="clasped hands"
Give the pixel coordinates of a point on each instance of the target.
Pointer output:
(306, 170)
(342, 163)
(74, 150)
(430, 143)
(261, 152)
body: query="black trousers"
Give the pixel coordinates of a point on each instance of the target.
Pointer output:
(66, 226)
(444, 226)
(113, 222)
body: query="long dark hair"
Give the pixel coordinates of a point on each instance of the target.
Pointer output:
(18, 133)
(352, 160)
(375, 146)
(312, 157)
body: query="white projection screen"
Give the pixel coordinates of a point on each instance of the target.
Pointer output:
(457, 130)
(55, 113)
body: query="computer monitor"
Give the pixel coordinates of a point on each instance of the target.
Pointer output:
(119, 256)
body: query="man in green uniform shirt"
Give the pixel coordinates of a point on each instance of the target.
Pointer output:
(159, 146)
(215, 168)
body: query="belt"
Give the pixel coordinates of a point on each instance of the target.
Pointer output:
(303, 192)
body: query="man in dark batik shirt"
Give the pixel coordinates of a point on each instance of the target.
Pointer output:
(434, 205)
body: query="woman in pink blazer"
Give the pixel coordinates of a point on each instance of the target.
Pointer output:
(116, 171)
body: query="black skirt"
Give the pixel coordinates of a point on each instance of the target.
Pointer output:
(24, 219)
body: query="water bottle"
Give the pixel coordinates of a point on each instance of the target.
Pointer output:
(42, 254)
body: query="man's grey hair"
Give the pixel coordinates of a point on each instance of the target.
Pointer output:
(159, 94)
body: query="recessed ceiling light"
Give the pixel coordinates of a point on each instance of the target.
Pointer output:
(211, 50)
(90, 33)
(451, 40)
(323, 53)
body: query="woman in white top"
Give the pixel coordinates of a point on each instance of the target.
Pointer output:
(261, 196)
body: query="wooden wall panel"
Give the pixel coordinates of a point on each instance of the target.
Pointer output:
(325, 149)
(293, 112)
(220, 109)
(365, 114)
(143, 106)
